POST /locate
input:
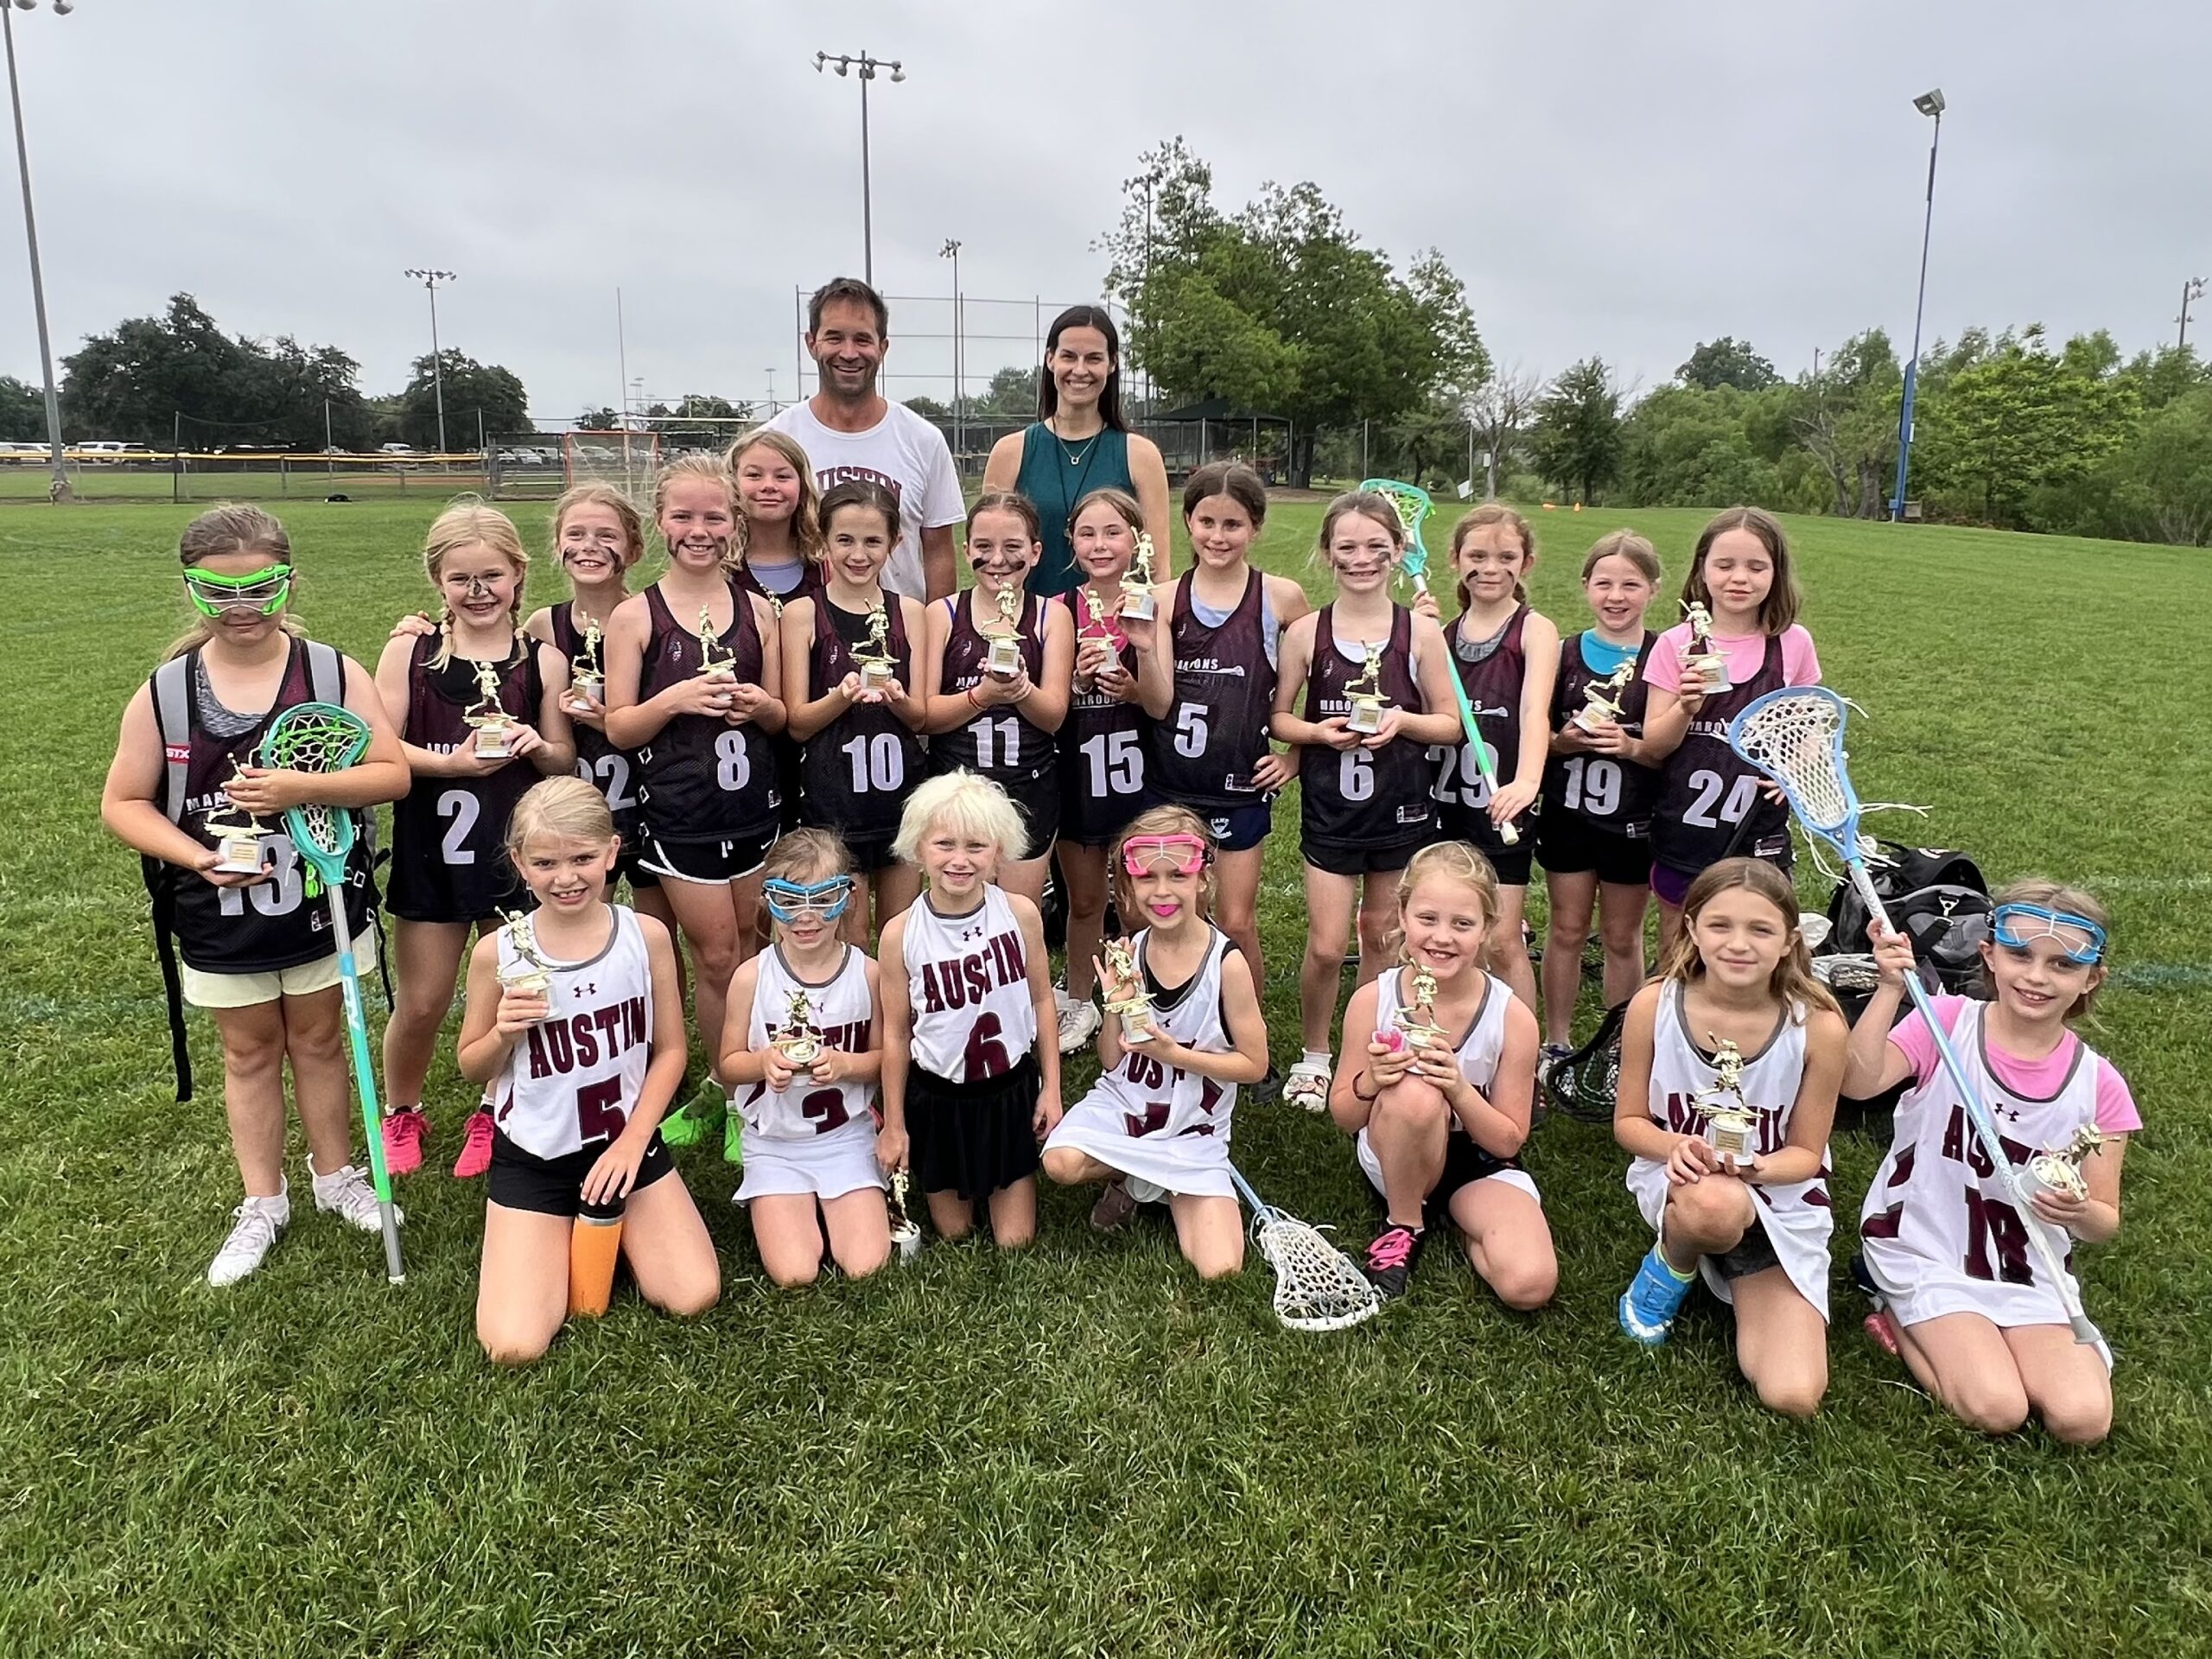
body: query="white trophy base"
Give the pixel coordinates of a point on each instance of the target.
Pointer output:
(1004, 661)
(1138, 604)
(492, 743)
(875, 676)
(238, 855)
(1712, 670)
(1366, 716)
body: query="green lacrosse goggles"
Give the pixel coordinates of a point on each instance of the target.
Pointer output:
(261, 591)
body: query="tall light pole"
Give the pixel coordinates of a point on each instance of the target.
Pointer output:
(951, 251)
(430, 279)
(844, 63)
(1929, 104)
(59, 490)
(2191, 290)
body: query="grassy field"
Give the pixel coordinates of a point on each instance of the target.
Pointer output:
(1080, 1451)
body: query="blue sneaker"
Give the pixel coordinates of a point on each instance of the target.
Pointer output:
(1652, 1300)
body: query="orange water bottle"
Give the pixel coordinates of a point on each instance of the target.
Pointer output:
(594, 1242)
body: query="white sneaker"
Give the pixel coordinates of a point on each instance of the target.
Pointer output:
(345, 1193)
(1079, 1023)
(1307, 1085)
(258, 1223)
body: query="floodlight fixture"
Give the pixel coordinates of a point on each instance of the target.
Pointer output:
(1930, 103)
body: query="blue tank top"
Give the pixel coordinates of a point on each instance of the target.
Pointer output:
(1056, 474)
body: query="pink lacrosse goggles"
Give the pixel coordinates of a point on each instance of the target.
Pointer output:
(1183, 854)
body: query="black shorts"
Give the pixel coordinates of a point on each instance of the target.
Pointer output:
(427, 889)
(1464, 1163)
(1569, 844)
(1458, 822)
(1754, 1252)
(1038, 800)
(971, 1139)
(630, 864)
(1234, 829)
(1090, 820)
(869, 852)
(555, 1186)
(1366, 859)
(707, 863)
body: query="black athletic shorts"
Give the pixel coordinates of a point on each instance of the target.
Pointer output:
(1754, 1252)
(1366, 859)
(1464, 1163)
(708, 862)
(555, 1186)
(629, 864)
(1038, 800)
(870, 852)
(1569, 844)
(1233, 828)
(1514, 865)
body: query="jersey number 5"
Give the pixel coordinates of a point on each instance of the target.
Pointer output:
(600, 1115)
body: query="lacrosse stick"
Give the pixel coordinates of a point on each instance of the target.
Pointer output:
(1412, 506)
(323, 737)
(1796, 737)
(1317, 1287)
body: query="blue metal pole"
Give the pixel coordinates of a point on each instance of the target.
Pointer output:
(1913, 368)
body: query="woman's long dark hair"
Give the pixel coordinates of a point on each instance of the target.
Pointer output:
(1109, 399)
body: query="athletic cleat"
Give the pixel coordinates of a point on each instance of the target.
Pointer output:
(257, 1224)
(702, 1116)
(1549, 1056)
(1648, 1306)
(732, 1138)
(1307, 1086)
(1390, 1258)
(1114, 1207)
(405, 1129)
(1079, 1023)
(476, 1149)
(345, 1193)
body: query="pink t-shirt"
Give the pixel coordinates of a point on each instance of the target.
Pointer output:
(1801, 664)
(2033, 1079)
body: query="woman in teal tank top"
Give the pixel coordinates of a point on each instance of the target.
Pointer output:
(1080, 444)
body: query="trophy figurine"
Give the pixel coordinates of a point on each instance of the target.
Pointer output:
(799, 1042)
(492, 724)
(1003, 660)
(586, 677)
(1416, 1017)
(877, 665)
(1601, 699)
(237, 836)
(713, 658)
(1731, 1122)
(2060, 1172)
(1134, 1006)
(529, 974)
(906, 1236)
(1137, 585)
(1701, 659)
(1368, 701)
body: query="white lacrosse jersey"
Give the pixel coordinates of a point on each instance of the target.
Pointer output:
(1941, 1234)
(843, 1013)
(1798, 1218)
(968, 981)
(1479, 1049)
(1157, 1100)
(575, 1077)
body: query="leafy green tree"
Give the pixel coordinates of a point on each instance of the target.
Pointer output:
(601, 419)
(1577, 441)
(2158, 485)
(22, 411)
(2170, 373)
(1429, 443)
(1728, 361)
(470, 387)
(1846, 418)
(1684, 446)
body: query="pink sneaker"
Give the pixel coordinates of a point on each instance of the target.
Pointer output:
(475, 1151)
(405, 1131)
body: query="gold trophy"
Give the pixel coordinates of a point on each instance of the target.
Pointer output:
(2060, 1172)
(1003, 660)
(1134, 1006)
(586, 677)
(238, 836)
(529, 974)
(713, 657)
(1416, 1017)
(798, 1041)
(877, 665)
(906, 1236)
(1701, 659)
(494, 725)
(1731, 1122)
(1136, 583)
(1368, 701)
(1601, 699)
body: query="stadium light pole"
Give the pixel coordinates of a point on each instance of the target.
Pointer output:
(844, 63)
(430, 279)
(1929, 104)
(951, 251)
(59, 490)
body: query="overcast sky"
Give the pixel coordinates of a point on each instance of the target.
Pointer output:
(1623, 179)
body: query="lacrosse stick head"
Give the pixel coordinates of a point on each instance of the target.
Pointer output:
(1411, 504)
(1317, 1287)
(316, 737)
(1796, 737)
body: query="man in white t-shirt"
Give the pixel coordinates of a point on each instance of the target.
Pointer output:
(848, 430)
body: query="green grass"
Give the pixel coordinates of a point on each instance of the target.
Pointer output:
(1080, 1451)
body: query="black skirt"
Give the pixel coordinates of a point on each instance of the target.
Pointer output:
(971, 1139)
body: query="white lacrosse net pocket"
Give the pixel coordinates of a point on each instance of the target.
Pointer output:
(1317, 1287)
(1797, 741)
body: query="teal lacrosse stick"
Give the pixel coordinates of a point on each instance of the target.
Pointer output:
(323, 737)
(1413, 506)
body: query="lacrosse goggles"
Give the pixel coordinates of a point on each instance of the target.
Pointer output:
(2004, 926)
(1183, 852)
(262, 591)
(789, 900)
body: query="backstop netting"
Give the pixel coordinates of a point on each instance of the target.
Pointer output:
(626, 459)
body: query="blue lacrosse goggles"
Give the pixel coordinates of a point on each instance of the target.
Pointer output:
(2004, 926)
(788, 900)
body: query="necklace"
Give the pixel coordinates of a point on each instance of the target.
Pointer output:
(1074, 458)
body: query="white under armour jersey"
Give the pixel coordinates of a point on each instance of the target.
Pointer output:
(575, 1077)
(968, 981)
(1158, 1100)
(1799, 1218)
(1941, 1235)
(1485, 1040)
(841, 1010)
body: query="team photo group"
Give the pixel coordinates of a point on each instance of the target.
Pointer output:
(807, 802)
